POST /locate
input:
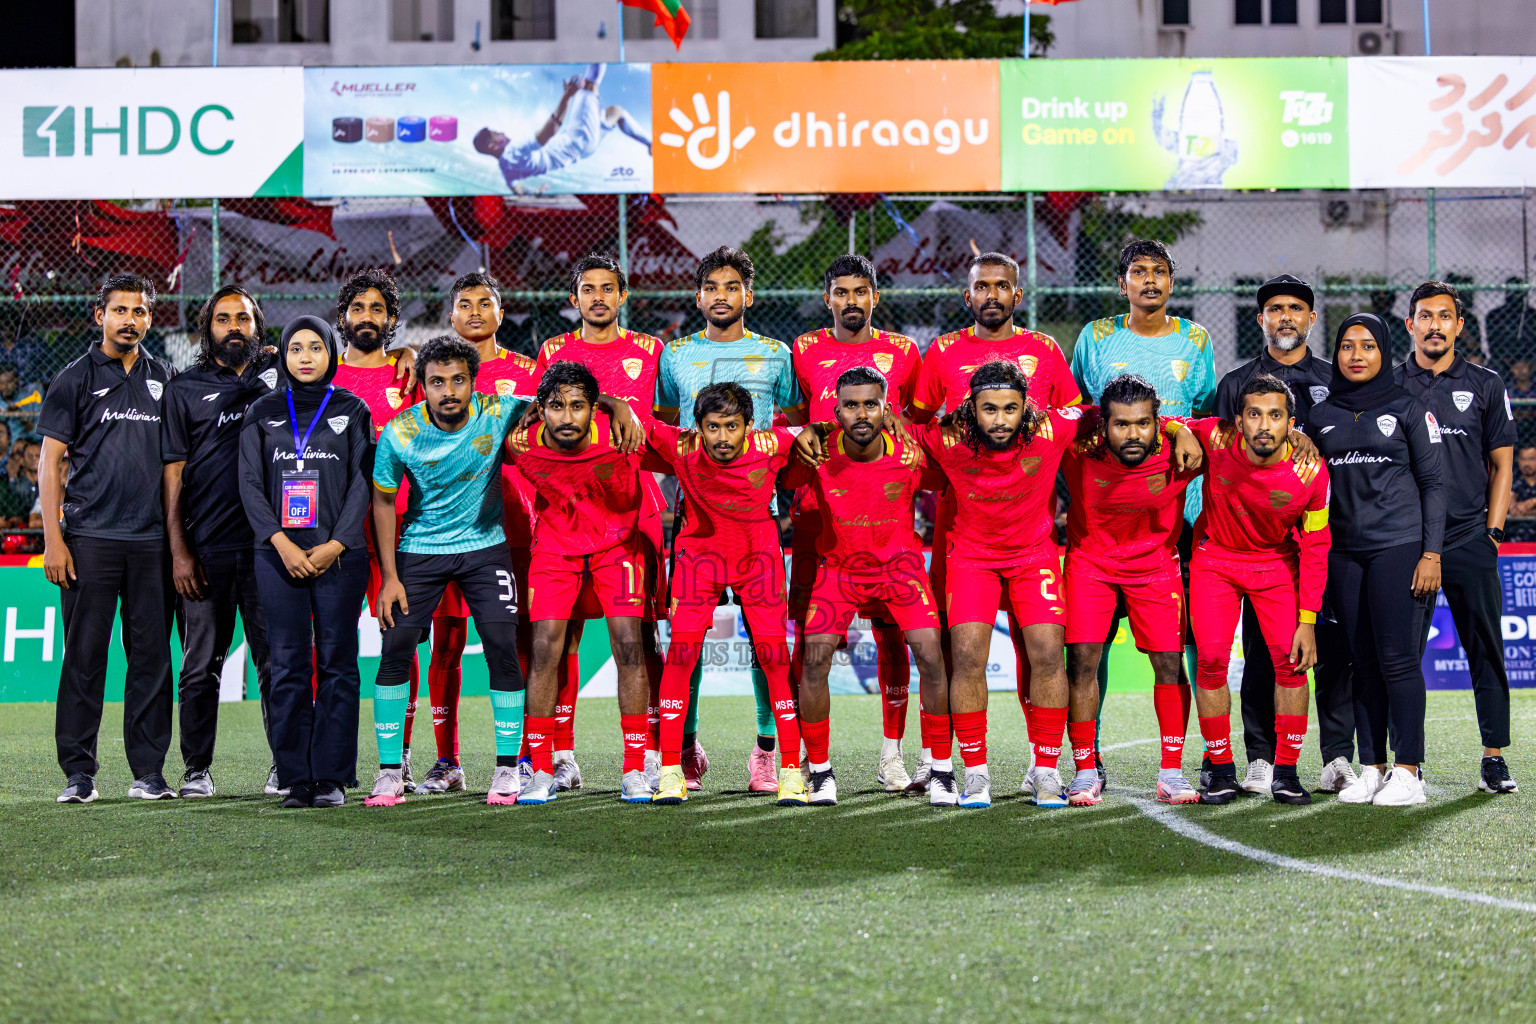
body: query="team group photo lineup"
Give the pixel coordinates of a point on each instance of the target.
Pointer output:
(1319, 496)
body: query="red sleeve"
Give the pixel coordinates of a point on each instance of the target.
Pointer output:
(661, 445)
(1066, 391)
(906, 390)
(1203, 428)
(1316, 538)
(797, 474)
(930, 438)
(928, 392)
(932, 478)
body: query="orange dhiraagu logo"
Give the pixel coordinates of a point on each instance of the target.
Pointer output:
(851, 126)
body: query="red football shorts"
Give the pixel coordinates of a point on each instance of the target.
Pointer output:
(1033, 591)
(701, 574)
(900, 593)
(1216, 591)
(1155, 605)
(615, 578)
(803, 561)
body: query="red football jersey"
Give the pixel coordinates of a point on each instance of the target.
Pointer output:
(1124, 521)
(376, 386)
(625, 368)
(819, 359)
(1003, 500)
(945, 379)
(585, 502)
(866, 507)
(728, 504)
(1262, 513)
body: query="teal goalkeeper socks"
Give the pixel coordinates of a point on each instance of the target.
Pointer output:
(507, 711)
(691, 722)
(389, 721)
(766, 724)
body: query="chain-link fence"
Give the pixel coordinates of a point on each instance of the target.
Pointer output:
(1361, 250)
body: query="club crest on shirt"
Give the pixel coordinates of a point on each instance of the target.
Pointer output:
(894, 489)
(1279, 499)
(884, 361)
(755, 477)
(1318, 393)
(1030, 363)
(505, 388)
(1386, 424)
(1180, 369)
(156, 389)
(1463, 400)
(393, 397)
(633, 368)
(337, 423)
(1155, 484)
(483, 444)
(604, 470)
(754, 363)
(269, 378)
(1030, 464)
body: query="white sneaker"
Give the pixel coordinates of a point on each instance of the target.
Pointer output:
(653, 769)
(538, 790)
(1364, 789)
(893, 773)
(388, 788)
(444, 777)
(978, 790)
(1260, 775)
(568, 775)
(1027, 787)
(504, 787)
(941, 788)
(1048, 789)
(634, 787)
(272, 788)
(1338, 775)
(921, 777)
(1401, 789)
(823, 789)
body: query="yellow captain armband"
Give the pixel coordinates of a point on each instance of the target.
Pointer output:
(1307, 618)
(1315, 520)
(386, 490)
(1170, 427)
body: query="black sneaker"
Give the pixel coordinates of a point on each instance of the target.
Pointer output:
(151, 787)
(1287, 789)
(328, 794)
(1098, 764)
(300, 794)
(1219, 787)
(80, 788)
(1207, 771)
(1495, 777)
(196, 783)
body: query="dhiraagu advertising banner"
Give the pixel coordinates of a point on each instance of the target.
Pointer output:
(480, 129)
(1141, 125)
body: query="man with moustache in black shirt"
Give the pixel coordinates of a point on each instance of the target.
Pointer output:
(104, 541)
(212, 555)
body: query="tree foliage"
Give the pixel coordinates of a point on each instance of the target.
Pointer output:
(932, 30)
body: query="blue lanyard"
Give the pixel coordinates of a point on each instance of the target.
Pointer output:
(299, 447)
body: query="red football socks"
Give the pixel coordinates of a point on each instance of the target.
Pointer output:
(936, 735)
(1045, 734)
(634, 728)
(1217, 733)
(818, 740)
(672, 702)
(895, 674)
(540, 733)
(444, 680)
(773, 659)
(565, 702)
(1171, 720)
(1290, 733)
(971, 736)
(1081, 735)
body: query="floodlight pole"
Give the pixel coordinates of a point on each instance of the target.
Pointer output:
(216, 278)
(1434, 268)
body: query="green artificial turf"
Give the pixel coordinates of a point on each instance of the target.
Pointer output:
(731, 909)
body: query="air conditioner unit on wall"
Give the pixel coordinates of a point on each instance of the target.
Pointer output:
(1375, 42)
(1342, 209)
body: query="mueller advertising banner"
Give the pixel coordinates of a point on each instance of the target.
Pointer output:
(481, 129)
(182, 133)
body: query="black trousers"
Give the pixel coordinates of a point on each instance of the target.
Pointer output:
(1382, 623)
(207, 630)
(312, 633)
(138, 574)
(485, 579)
(1469, 575)
(1332, 693)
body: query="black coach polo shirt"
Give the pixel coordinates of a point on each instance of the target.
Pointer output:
(204, 411)
(111, 422)
(1472, 408)
(1308, 379)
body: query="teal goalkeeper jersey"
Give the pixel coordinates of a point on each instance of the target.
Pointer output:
(454, 499)
(761, 365)
(1179, 366)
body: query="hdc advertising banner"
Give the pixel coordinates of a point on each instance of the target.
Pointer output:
(856, 126)
(481, 129)
(1141, 125)
(1442, 121)
(150, 133)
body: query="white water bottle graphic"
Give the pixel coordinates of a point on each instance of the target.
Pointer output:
(1198, 138)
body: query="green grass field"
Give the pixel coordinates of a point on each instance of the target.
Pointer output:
(731, 909)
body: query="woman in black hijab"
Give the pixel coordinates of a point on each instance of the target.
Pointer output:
(306, 454)
(1387, 517)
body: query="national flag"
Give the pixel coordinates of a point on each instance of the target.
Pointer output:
(670, 15)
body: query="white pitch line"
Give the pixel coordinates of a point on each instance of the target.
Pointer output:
(1171, 820)
(1122, 746)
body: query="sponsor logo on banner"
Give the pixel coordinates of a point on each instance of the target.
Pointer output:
(836, 127)
(1318, 393)
(1386, 424)
(1463, 400)
(337, 423)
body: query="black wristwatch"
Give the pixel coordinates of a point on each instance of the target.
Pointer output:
(1497, 533)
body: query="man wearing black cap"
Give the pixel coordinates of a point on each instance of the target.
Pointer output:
(1287, 316)
(104, 541)
(1477, 426)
